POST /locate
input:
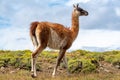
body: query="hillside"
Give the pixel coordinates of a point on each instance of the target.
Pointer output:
(84, 65)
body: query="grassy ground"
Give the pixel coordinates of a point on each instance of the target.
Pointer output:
(25, 75)
(15, 65)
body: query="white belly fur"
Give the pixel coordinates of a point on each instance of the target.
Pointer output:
(55, 42)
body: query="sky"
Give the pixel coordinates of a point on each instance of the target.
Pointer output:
(101, 28)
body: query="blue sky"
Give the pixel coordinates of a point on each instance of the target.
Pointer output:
(100, 29)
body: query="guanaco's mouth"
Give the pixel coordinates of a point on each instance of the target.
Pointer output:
(86, 13)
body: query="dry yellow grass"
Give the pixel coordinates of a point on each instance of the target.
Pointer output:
(25, 75)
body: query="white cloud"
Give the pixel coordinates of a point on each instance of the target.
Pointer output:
(97, 38)
(117, 11)
(15, 39)
(102, 16)
(71, 2)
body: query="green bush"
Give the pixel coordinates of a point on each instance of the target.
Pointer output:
(1, 63)
(74, 66)
(17, 59)
(49, 54)
(88, 66)
(82, 65)
(78, 61)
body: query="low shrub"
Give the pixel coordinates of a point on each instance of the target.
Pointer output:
(74, 66)
(78, 61)
(17, 59)
(88, 66)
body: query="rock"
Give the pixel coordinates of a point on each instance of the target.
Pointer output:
(117, 66)
(106, 70)
(12, 72)
(18, 69)
(2, 69)
(50, 67)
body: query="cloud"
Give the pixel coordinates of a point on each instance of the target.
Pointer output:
(102, 15)
(101, 12)
(117, 11)
(96, 38)
(17, 38)
(4, 22)
(100, 28)
(14, 39)
(20, 14)
(71, 2)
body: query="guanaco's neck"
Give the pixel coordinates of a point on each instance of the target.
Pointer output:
(75, 25)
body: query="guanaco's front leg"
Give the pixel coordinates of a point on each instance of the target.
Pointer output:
(60, 56)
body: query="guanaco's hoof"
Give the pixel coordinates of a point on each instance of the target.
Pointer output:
(33, 76)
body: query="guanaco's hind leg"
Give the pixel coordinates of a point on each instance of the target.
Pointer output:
(66, 63)
(42, 40)
(60, 56)
(33, 60)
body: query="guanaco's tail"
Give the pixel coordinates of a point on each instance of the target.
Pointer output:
(32, 33)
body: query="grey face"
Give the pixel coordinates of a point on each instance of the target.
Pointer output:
(79, 11)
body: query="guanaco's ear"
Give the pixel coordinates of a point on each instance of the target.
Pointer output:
(76, 6)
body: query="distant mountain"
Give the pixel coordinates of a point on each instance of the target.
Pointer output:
(101, 49)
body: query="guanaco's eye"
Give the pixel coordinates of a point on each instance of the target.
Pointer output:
(79, 9)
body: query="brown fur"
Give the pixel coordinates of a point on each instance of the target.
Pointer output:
(55, 36)
(43, 28)
(33, 27)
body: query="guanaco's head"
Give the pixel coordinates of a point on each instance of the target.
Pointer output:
(79, 11)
